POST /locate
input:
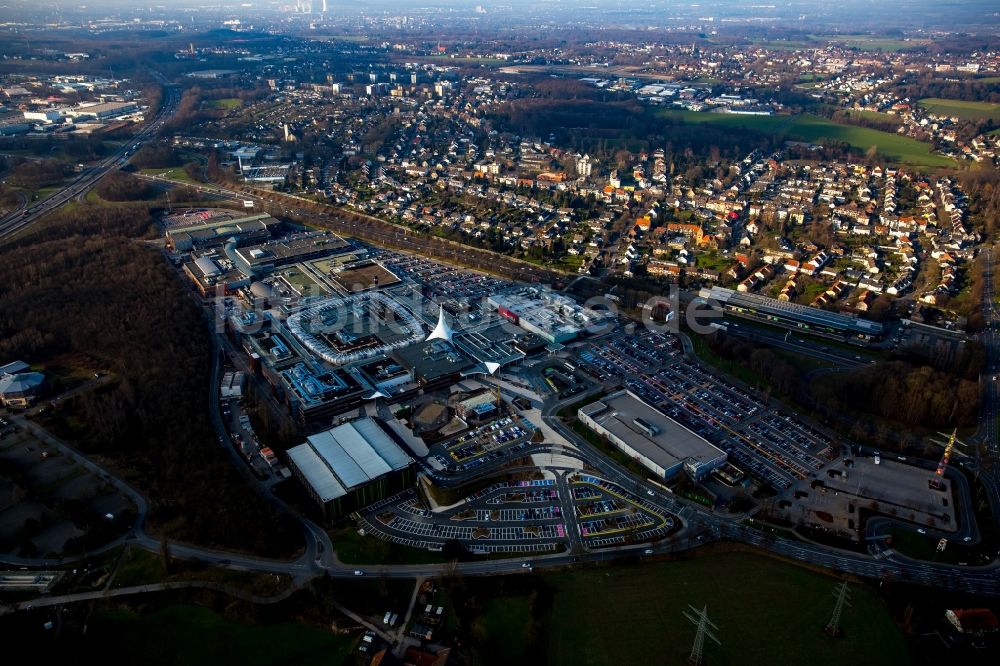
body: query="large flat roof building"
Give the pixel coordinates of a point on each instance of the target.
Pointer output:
(13, 368)
(551, 316)
(654, 439)
(350, 466)
(262, 258)
(102, 111)
(433, 363)
(217, 232)
(313, 393)
(793, 315)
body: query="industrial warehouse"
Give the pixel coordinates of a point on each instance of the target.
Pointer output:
(652, 438)
(351, 466)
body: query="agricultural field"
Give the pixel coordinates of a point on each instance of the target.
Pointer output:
(876, 43)
(766, 612)
(807, 127)
(766, 124)
(865, 42)
(961, 109)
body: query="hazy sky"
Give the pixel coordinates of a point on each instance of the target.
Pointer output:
(981, 16)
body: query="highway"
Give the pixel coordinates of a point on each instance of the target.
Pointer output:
(989, 411)
(987, 431)
(23, 218)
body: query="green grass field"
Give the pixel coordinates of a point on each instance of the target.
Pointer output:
(893, 146)
(960, 109)
(139, 567)
(192, 635)
(226, 104)
(713, 262)
(171, 173)
(503, 627)
(807, 127)
(767, 612)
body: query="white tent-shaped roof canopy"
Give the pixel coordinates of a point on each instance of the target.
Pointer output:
(442, 331)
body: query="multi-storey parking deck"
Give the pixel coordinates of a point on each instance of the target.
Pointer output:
(508, 432)
(524, 516)
(329, 328)
(468, 533)
(517, 515)
(523, 497)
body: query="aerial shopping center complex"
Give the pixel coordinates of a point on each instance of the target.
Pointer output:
(430, 404)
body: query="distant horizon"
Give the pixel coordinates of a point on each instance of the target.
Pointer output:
(976, 16)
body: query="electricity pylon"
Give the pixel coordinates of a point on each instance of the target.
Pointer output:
(700, 619)
(937, 481)
(843, 598)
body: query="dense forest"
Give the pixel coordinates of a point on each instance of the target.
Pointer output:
(32, 175)
(84, 284)
(903, 391)
(121, 186)
(155, 156)
(76, 148)
(969, 90)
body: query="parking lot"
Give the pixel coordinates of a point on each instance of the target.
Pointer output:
(484, 444)
(775, 447)
(835, 500)
(449, 284)
(608, 515)
(50, 505)
(522, 516)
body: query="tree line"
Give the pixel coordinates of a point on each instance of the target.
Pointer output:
(905, 391)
